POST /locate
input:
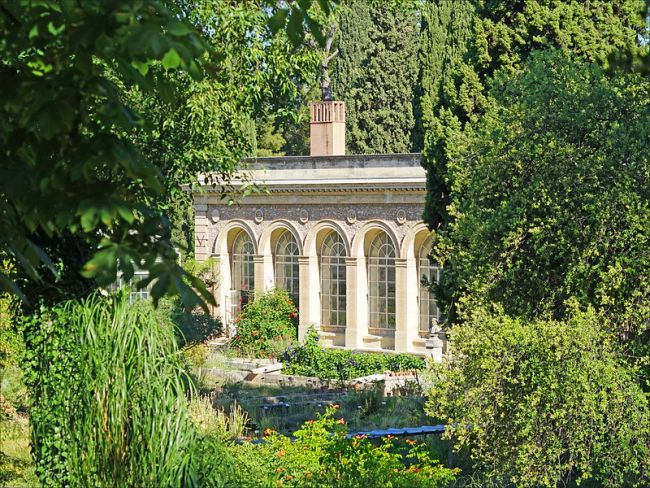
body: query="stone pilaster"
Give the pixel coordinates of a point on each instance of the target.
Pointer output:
(406, 304)
(357, 302)
(201, 248)
(263, 272)
(223, 293)
(309, 307)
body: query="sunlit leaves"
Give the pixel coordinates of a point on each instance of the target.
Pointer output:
(296, 16)
(543, 403)
(70, 131)
(553, 198)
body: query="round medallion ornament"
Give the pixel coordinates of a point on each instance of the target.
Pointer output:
(304, 216)
(400, 217)
(214, 215)
(351, 217)
(259, 215)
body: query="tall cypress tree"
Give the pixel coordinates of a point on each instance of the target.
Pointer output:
(464, 42)
(443, 107)
(376, 74)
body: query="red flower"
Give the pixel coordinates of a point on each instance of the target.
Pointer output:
(340, 421)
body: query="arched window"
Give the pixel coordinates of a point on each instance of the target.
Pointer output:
(286, 265)
(428, 273)
(242, 271)
(381, 282)
(332, 280)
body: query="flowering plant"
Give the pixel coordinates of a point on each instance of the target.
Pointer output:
(266, 325)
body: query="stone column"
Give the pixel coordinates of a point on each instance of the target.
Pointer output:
(309, 307)
(406, 304)
(216, 289)
(357, 302)
(263, 272)
(223, 294)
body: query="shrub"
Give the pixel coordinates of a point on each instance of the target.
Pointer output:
(10, 341)
(196, 355)
(266, 321)
(309, 359)
(191, 327)
(544, 403)
(320, 454)
(108, 396)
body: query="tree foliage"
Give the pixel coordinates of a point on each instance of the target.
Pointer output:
(465, 43)
(76, 149)
(375, 73)
(542, 403)
(551, 197)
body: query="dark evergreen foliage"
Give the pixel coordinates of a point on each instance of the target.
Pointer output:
(466, 41)
(376, 75)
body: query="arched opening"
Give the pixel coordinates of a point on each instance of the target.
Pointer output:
(285, 264)
(333, 281)
(428, 273)
(381, 282)
(242, 272)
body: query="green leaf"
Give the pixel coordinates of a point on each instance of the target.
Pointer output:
(89, 220)
(55, 31)
(294, 28)
(278, 19)
(325, 6)
(143, 68)
(178, 29)
(171, 60)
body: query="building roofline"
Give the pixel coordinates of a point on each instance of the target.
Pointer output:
(356, 160)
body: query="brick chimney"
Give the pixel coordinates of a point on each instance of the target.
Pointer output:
(327, 128)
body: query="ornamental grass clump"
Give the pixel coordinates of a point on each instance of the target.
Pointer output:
(108, 396)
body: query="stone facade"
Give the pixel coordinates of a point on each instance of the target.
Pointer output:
(370, 206)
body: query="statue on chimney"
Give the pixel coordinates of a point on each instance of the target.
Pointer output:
(325, 82)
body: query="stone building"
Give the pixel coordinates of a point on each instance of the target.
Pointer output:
(342, 234)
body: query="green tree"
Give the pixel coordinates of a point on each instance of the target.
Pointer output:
(375, 73)
(211, 124)
(552, 200)
(446, 80)
(465, 43)
(543, 403)
(70, 164)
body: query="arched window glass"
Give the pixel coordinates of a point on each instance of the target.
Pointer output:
(242, 271)
(428, 273)
(286, 265)
(332, 280)
(381, 282)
